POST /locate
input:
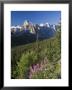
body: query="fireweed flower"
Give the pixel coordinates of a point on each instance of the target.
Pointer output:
(42, 66)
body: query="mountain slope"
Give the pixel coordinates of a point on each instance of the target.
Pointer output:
(25, 56)
(23, 37)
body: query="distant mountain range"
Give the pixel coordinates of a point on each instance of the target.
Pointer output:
(28, 33)
(29, 26)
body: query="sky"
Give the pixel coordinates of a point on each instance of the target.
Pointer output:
(36, 17)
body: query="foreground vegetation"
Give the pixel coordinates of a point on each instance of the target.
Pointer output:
(38, 60)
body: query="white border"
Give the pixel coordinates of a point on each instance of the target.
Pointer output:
(64, 8)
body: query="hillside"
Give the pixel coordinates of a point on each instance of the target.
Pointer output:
(22, 37)
(38, 60)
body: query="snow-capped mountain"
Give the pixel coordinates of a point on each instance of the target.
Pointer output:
(32, 28)
(44, 25)
(29, 32)
(41, 25)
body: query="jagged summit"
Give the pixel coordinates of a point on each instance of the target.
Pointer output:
(26, 23)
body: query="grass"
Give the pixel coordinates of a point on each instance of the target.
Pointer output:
(25, 56)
